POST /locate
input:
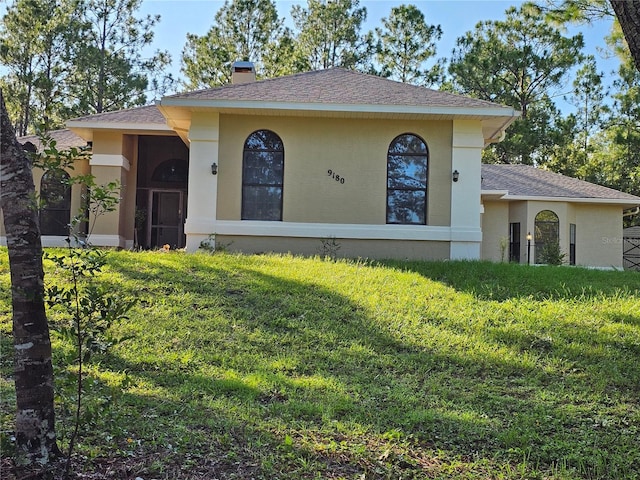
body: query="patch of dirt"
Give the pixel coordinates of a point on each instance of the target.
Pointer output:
(155, 466)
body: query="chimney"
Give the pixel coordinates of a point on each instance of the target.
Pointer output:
(243, 72)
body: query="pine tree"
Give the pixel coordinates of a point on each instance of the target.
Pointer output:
(405, 43)
(248, 30)
(521, 62)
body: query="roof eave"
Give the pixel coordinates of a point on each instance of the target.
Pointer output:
(624, 203)
(477, 112)
(85, 129)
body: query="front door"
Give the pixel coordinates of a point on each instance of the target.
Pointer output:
(166, 219)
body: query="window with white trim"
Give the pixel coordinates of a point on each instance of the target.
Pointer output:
(407, 172)
(262, 176)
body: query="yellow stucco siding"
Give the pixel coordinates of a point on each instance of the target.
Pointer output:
(128, 192)
(598, 229)
(599, 235)
(354, 150)
(108, 143)
(349, 248)
(495, 231)
(107, 224)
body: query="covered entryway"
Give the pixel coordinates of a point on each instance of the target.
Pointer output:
(161, 192)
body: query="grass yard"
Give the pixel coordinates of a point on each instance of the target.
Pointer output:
(280, 367)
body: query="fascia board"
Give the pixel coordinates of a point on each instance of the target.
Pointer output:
(606, 201)
(152, 127)
(477, 112)
(494, 193)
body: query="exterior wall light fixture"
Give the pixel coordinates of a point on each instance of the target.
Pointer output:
(455, 175)
(214, 168)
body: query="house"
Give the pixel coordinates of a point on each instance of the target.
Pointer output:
(534, 208)
(388, 170)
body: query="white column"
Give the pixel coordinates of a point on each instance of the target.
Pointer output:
(203, 185)
(466, 158)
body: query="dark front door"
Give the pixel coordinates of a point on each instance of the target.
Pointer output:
(166, 219)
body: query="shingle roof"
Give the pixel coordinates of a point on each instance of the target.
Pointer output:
(64, 139)
(336, 86)
(527, 181)
(147, 114)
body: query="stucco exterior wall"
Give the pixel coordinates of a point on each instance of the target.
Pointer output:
(599, 240)
(598, 229)
(495, 231)
(348, 248)
(354, 149)
(128, 192)
(111, 161)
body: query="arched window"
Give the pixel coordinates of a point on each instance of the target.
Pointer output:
(262, 176)
(55, 193)
(407, 171)
(547, 230)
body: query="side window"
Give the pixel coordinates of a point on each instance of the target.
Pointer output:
(514, 242)
(572, 244)
(547, 226)
(407, 171)
(55, 193)
(262, 176)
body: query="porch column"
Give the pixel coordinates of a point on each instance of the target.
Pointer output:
(202, 196)
(108, 163)
(466, 158)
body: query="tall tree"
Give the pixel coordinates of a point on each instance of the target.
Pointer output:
(75, 57)
(109, 72)
(628, 14)
(574, 154)
(576, 11)
(622, 167)
(35, 417)
(33, 36)
(328, 34)
(405, 43)
(521, 61)
(242, 30)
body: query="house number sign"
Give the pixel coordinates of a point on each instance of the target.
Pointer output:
(335, 176)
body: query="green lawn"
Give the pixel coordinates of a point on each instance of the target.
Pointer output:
(280, 367)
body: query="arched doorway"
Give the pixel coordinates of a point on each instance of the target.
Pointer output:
(547, 228)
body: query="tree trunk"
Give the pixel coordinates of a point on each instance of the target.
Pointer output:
(628, 13)
(35, 425)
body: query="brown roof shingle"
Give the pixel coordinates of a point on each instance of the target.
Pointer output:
(337, 86)
(147, 114)
(527, 181)
(64, 138)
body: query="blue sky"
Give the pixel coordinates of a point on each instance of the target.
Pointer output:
(456, 17)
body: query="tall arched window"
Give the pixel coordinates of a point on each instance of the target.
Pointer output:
(547, 229)
(55, 193)
(262, 176)
(407, 171)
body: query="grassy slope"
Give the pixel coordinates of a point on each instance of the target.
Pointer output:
(284, 367)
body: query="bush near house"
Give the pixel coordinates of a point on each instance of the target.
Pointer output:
(273, 367)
